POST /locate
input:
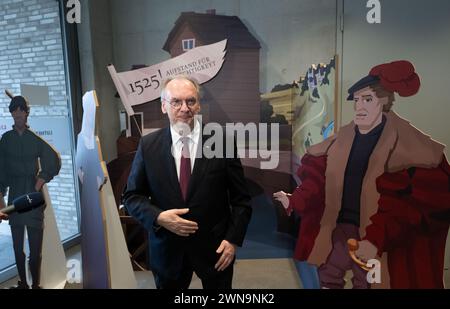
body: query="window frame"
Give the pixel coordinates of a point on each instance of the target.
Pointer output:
(188, 42)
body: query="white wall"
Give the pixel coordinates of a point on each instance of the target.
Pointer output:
(293, 33)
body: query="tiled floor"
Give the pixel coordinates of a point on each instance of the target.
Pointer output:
(248, 274)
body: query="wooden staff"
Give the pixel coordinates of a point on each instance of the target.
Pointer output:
(352, 247)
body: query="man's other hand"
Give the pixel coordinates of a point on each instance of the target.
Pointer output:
(171, 220)
(228, 251)
(3, 216)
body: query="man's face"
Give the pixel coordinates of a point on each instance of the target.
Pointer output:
(180, 91)
(368, 108)
(20, 117)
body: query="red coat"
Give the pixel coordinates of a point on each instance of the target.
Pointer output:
(410, 225)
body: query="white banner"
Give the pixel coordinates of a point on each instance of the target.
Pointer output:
(144, 85)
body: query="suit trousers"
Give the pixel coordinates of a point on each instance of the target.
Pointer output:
(217, 280)
(35, 238)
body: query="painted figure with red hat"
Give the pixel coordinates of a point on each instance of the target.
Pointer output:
(380, 181)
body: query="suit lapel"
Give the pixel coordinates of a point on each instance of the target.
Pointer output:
(169, 163)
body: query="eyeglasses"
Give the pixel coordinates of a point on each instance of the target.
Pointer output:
(178, 103)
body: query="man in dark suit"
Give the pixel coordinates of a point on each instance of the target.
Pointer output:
(195, 208)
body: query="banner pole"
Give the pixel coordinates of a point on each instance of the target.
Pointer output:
(122, 94)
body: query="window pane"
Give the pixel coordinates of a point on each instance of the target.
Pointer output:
(188, 44)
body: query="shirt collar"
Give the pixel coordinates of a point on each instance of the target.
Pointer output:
(27, 127)
(193, 135)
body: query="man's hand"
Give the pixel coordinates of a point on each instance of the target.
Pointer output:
(39, 183)
(171, 220)
(366, 251)
(282, 197)
(3, 216)
(228, 250)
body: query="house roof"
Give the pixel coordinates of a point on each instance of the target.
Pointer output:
(211, 28)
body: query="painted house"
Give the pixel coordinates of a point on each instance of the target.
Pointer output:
(233, 95)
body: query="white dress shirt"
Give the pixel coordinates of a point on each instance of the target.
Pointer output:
(177, 145)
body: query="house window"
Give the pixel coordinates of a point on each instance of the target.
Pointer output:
(188, 44)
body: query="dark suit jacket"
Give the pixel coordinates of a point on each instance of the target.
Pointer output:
(217, 199)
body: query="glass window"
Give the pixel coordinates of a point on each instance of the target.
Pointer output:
(32, 63)
(188, 44)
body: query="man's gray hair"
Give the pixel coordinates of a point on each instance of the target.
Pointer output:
(190, 79)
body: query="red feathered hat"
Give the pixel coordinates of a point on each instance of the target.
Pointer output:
(398, 76)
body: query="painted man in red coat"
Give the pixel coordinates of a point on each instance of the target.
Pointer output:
(381, 181)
